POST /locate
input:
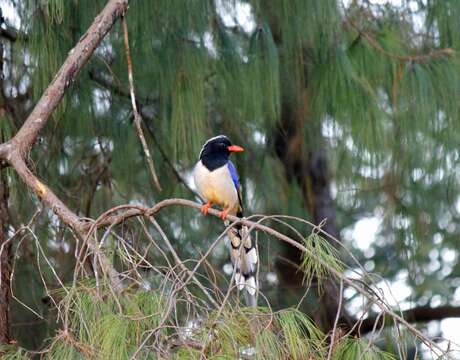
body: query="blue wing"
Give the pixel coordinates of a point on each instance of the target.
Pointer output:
(236, 182)
(234, 174)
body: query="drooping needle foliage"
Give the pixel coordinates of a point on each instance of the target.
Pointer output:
(348, 111)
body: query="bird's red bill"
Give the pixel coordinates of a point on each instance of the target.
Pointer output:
(235, 148)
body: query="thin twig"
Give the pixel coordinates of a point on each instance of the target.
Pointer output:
(419, 58)
(137, 116)
(179, 261)
(137, 210)
(336, 321)
(108, 82)
(16, 150)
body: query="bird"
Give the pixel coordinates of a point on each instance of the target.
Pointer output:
(217, 182)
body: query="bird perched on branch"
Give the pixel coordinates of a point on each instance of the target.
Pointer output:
(217, 182)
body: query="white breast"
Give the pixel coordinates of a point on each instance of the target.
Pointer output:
(216, 186)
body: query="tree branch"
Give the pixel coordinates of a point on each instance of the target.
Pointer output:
(416, 315)
(5, 262)
(17, 149)
(419, 58)
(129, 211)
(44, 193)
(137, 116)
(108, 83)
(77, 58)
(10, 33)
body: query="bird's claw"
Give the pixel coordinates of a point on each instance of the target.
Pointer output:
(223, 214)
(205, 208)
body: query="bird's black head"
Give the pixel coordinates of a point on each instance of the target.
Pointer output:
(216, 151)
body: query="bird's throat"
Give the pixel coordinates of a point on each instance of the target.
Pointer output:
(213, 162)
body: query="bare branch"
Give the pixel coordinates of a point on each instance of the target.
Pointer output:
(136, 210)
(17, 149)
(419, 58)
(137, 116)
(419, 314)
(75, 61)
(106, 81)
(10, 33)
(45, 194)
(143, 103)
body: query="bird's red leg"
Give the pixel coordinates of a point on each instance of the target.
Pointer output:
(223, 214)
(205, 208)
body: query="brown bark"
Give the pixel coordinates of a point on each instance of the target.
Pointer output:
(120, 213)
(308, 168)
(9, 33)
(77, 58)
(137, 116)
(416, 315)
(16, 150)
(6, 31)
(5, 246)
(5, 263)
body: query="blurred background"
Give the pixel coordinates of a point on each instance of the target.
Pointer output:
(348, 111)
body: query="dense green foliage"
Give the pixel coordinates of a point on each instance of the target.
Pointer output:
(105, 328)
(376, 86)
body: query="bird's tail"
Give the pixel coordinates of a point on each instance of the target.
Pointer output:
(244, 259)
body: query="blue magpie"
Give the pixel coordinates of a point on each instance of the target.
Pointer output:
(217, 182)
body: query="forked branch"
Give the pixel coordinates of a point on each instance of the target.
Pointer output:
(16, 150)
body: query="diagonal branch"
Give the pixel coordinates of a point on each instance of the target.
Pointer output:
(137, 116)
(16, 150)
(75, 61)
(107, 82)
(10, 33)
(419, 314)
(44, 193)
(136, 210)
(419, 58)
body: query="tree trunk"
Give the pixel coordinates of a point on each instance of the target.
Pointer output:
(309, 169)
(5, 250)
(5, 261)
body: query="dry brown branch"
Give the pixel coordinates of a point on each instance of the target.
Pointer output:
(417, 314)
(8, 32)
(180, 263)
(16, 150)
(137, 116)
(108, 82)
(130, 211)
(45, 194)
(334, 338)
(113, 217)
(187, 343)
(67, 336)
(75, 61)
(5, 260)
(419, 58)
(178, 276)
